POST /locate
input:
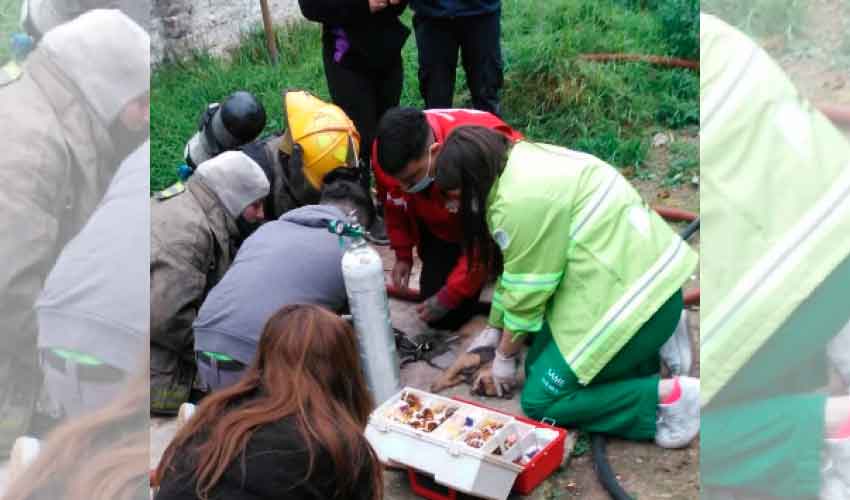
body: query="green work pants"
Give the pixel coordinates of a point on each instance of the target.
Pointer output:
(620, 401)
(764, 432)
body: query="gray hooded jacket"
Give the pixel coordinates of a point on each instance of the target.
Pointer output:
(293, 260)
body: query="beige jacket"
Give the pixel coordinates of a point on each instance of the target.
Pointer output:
(193, 242)
(58, 155)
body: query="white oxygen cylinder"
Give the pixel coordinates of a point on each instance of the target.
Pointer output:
(363, 272)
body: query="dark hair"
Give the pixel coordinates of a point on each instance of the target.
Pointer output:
(307, 366)
(403, 136)
(342, 186)
(472, 158)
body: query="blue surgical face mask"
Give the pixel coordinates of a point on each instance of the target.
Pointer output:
(424, 182)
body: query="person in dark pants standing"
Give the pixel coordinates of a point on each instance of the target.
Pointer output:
(472, 26)
(361, 51)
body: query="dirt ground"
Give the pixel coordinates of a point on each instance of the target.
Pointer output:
(819, 63)
(818, 60)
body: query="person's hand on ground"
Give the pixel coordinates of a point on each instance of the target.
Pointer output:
(431, 310)
(401, 274)
(499, 379)
(488, 337)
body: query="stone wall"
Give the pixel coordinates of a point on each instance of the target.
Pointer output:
(179, 27)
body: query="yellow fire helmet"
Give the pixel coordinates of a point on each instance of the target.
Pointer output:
(326, 135)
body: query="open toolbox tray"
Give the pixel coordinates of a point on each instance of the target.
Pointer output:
(465, 446)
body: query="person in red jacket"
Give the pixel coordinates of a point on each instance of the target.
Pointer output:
(417, 214)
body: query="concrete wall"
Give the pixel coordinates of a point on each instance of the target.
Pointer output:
(180, 26)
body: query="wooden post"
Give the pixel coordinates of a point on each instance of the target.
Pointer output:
(267, 26)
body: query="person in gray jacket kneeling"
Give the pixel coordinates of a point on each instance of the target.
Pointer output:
(293, 260)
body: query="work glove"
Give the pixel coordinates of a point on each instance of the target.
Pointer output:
(488, 337)
(504, 370)
(431, 309)
(499, 379)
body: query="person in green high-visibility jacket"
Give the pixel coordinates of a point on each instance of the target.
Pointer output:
(588, 269)
(775, 279)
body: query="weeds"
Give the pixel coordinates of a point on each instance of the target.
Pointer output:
(760, 18)
(680, 22)
(680, 19)
(582, 445)
(604, 109)
(684, 161)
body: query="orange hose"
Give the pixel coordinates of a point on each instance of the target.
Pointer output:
(673, 62)
(674, 214)
(838, 114)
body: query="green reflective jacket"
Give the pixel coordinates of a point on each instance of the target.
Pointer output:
(582, 251)
(775, 174)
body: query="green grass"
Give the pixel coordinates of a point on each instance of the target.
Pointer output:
(180, 92)
(10, 11)
(607, 109)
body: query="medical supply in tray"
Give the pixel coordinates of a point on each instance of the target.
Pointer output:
(466, 447)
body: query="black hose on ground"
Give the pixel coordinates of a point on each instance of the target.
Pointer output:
(603, 469)
(690, 229)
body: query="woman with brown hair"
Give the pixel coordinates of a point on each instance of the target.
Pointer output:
(292, 427)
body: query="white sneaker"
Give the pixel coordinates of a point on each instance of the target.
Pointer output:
(185, 413)
(678, 423)
(836, 471)
(676, 352)
(23, 453)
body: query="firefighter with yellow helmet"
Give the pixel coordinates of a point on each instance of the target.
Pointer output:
(319, 137)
